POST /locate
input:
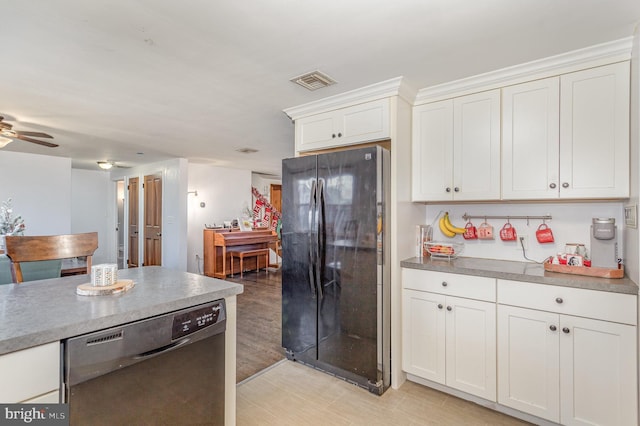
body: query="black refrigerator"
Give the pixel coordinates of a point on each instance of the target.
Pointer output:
(335, 264)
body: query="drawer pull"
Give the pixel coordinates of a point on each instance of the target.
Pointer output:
(565, 330)
(553, 327)
(449, 308)
(559, 300)
(439, 305)
(444, 284)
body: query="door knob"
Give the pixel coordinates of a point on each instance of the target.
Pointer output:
(159, 234)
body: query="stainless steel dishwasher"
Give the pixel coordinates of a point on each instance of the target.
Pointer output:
(164, 370)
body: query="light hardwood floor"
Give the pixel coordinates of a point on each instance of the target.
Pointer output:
(289, 393)
(273, 391)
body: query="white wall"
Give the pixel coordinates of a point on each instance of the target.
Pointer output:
(632, 243)
(89, 209)
(40, 187)
(225, 194)
(570, 224)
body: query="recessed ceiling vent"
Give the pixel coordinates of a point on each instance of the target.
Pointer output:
(247, 150)
(313, 80)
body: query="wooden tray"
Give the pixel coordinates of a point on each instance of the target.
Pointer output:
(91, 290)
(584, 270)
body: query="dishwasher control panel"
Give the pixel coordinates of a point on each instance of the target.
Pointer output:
(185, 323)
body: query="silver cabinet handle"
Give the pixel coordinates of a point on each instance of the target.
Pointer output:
(456, 189)
(439, 305)
(449, 308)
(566, 330)
(553, 327)
(559, 300)
(448, 189)
(333, 136)
(552, 185)
(444, 284)
(565, 185)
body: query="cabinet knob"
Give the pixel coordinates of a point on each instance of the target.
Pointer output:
(449, 308)
(565, 330)
(559, 300)
(552, 185)
(339, 135)
(456, 189)
(439, 305)
(553, 327)
(444, 284)
(565, 185)
(448, 189)
(333, 136)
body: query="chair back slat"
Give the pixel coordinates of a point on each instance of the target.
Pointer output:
(49, 247)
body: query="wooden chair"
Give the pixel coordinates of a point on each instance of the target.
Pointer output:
(48, 248)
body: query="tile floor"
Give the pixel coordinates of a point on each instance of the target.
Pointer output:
(292, 394)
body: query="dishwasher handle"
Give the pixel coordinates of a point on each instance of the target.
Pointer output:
(161, 350)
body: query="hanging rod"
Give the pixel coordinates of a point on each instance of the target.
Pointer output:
(485, 217)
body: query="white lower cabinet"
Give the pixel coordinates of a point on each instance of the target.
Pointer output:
(31, 375)
(566, 368)
(447, 339)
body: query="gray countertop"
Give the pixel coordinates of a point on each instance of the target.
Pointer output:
(520, 271)
(38, 312)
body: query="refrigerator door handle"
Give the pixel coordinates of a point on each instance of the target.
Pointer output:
(312, 255)
(320, 254)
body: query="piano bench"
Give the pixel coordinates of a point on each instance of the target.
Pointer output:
(241, 254)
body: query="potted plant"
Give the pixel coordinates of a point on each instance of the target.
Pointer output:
(9, 224)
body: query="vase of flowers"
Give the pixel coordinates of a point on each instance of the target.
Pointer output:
(9, 224)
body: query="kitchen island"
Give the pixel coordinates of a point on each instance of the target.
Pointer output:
(37, 313)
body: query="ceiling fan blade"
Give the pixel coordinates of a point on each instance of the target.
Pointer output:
(5, 125)
(35, 134)
(25, 138)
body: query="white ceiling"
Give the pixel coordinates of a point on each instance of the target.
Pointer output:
(201, 79)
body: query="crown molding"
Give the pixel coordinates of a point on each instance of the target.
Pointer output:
(393, 87)
(597, 55)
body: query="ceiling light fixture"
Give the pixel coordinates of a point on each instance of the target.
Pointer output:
(105, 165)
(4, 141)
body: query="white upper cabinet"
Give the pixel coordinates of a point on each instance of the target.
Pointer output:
(345, 126)
(594, 132)
(530, 140)
(456, 149)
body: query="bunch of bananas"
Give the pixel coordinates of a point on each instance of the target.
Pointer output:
(447, 228)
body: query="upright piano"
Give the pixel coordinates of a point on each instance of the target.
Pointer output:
(218, 241)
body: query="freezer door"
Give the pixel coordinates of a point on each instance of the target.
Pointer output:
(348, 291)
(299, 251)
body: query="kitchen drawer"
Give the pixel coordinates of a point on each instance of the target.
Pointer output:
(602, 305)
(30, 373)
(471, 287)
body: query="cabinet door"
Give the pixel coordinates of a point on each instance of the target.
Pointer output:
(364, 122)
(528, 361)
(29, 373)
(423, 335)
(315, 132)
(471, 346)
(594, 132)
(432, 152)
(476, 146)
(598, 372)
(530, 140)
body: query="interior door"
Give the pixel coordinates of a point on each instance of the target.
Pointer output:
(275, 196)
(152, 220)
(132, 258)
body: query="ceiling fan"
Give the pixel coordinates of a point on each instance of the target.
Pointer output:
(7, 132)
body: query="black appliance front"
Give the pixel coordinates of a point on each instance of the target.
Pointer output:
(166, 370)
(330, 288)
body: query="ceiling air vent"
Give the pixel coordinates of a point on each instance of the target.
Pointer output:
(313, 80)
